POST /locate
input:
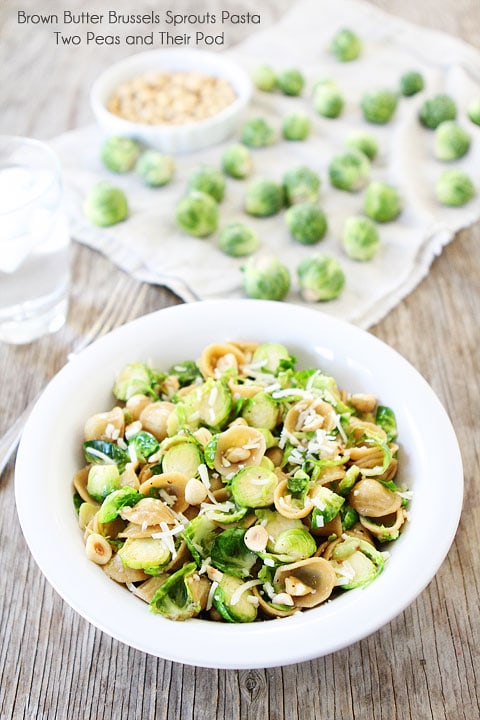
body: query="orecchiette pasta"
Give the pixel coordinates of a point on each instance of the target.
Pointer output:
(238, 488)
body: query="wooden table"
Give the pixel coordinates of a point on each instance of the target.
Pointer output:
(426, 663)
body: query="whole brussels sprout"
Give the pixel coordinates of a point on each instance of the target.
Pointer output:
(363, 142)
(207, 180)
(451, 141)
(106, 205)
(296, 126)
(264, 197)
(265, 78)
(454, 188)
(382, 202)
(301, 184)
(266, 278)
(197, 214)
(307, 222)
(378, 106)
(349, 171)
(346, 45)
(320, 278)
(238, 240)
(257, 132)
(327, 99)
(436, 110)
(411, 83)
(237, 161)
(119, 154)
(473, 111)
(360, 238)
(155, 168)
(290, 81)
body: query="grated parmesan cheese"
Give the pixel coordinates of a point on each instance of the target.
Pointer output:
(242, 589)
(211, 593)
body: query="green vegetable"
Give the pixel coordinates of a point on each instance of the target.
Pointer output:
(253, 487)
(261, 411)
(348, 481)
(197, 214)
(454, 188)
(379, 106)
(176, 598)
(358, 567)
(183, 457)
(411, 83)
(257, 133)
(136, 378)
(301, 184)
(266, 278)
(320, 278)
(213, 401)
(360, 238)
(263, 198)
(349, 516)
(329, 504)
(119, 154)
(186, 372)
(271, 357)
(149, 554)
(237, 161)
(102, 480)
(230, 554)
(105, 205)
(145, 444)
(346, 45)
(240, 611)
(265, 78)
(238, 240)
(307, 223)
(451, 141)
(363, 142)
(473, 111)
(290, 81)
(296, 126)
(349, 171)
(436, 110)
(199, 536)
(385, 418)
(104, 452)
(293, 544)
(382, 202)
(327, 99)
(115, 501)
(155, 168)
(207, 180)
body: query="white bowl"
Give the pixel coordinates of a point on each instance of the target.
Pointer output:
(50, 453)
(173, 138)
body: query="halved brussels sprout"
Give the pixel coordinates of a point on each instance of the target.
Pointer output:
(233, 604)
(230, 554)
(254, 487)
(183, 595)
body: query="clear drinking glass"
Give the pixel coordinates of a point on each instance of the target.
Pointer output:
(34, 242)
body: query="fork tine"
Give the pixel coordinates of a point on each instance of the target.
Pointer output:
(107, 318)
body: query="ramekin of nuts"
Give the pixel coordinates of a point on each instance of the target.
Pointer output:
(175, 100)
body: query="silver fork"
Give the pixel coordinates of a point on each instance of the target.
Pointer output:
(114, 313)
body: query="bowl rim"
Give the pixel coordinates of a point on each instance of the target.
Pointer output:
(104, 82)
(262, 644)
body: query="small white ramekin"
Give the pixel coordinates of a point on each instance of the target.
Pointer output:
(173, 138)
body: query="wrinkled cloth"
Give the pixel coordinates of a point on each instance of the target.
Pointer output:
(150, 246)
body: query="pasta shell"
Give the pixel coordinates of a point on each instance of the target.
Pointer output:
(372, 499)
(237, 447)
(314, 573)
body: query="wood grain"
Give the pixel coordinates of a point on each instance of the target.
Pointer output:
(424, 665)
